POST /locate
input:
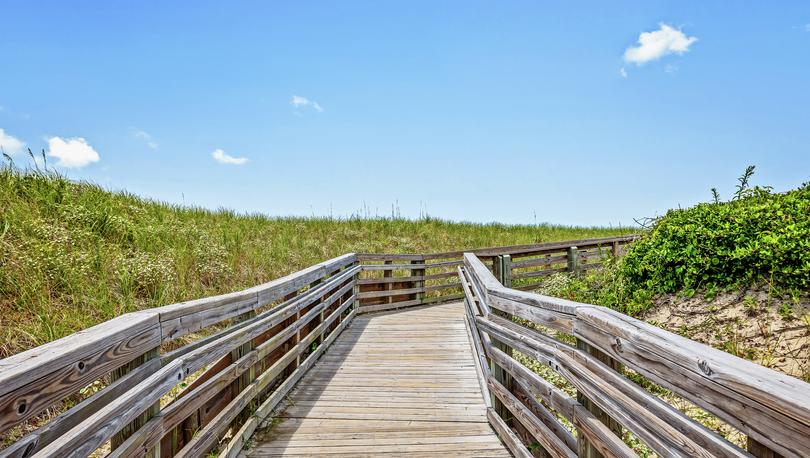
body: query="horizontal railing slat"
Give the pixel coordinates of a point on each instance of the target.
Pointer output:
(770, 407)
(32, 381)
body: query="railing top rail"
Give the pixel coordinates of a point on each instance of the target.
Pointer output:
(496, 251)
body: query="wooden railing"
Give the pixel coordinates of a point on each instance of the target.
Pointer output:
(171, 380)
(391, 281)
(595, 349)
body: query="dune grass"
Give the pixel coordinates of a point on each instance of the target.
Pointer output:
(73, 254)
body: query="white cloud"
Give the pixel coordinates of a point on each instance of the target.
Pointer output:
(72, 152)
(623, 72)
(146, 138)
(671, 69)
(223, 158)
(303, 102)
(11, 145)
(657, 44)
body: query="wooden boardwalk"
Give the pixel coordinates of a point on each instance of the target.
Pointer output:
(314, 353)
(395, 383)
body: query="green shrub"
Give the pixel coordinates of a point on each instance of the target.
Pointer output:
(760, 235)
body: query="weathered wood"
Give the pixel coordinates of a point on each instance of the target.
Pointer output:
(410, 278)
(367, 379)
(419, 284)
(44, 435)
(535, 248)
(586, 449)
(101, 426)
(540, 262)
(552, 312)
(205, 438)
(535, 384)
(482, 366)
(407, 291)
(386, 307)
(136, 444)
(35, 379)
(538, 273)
(181, 408)
(760, 451)
(573, 259)
(544, 436)
(152, 411)
(96, 429)
(506, 270)
(543, 414)
(481, 369)
(26, 367)
(236, 444)
(497, 373)
(508, 436)
(177, 321)
(444, 298)
(599, 435)
(421, 400)
(389, 265)
(771, 407)
(246, 378)
(656, 423)
(513, 250)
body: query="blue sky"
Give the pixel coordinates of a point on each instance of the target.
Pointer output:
(482, 111)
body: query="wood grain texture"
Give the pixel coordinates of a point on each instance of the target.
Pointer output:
(770, 407)
(34, 380)
(44, 435)
(393, 382)
(513, 250)
(544, 436)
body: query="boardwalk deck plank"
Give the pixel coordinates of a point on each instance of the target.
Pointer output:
(397, 383)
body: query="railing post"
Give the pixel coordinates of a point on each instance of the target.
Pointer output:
(506, 270)
(573, 259)
(247, 378)
(356, 291)
(759, 450)
(498, 373)
(586, 449)
(419, 283)
(496, 267)
(148, 414)
(388, 286)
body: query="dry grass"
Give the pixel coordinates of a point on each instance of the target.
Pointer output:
(73, 255)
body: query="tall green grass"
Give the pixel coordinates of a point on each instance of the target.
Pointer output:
(73, 254)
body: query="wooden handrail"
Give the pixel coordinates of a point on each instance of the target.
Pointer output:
(260, 341)
(771, 408)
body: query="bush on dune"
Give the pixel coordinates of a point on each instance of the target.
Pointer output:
(758, 236)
